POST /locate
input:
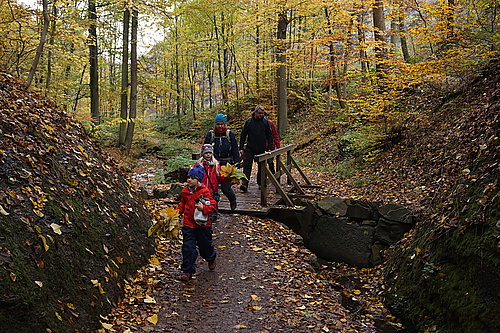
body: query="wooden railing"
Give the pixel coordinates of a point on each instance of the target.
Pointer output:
(283, 168)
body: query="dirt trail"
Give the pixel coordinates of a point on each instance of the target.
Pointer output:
(264, 282)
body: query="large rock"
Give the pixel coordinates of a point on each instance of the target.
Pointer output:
(396, 220)
(333, 206)
(335, 239)
(351, 231)
(362, 210)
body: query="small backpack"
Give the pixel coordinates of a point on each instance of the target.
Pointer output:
(212, 138)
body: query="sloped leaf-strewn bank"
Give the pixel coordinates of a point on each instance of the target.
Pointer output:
(71, 229)
(449, 276)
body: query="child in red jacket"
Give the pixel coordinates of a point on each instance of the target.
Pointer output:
(212, 176)
(195, 206)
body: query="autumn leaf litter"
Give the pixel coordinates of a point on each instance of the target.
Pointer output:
(264, 282)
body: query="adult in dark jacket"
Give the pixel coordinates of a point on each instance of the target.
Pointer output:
(256, 136)
(225, 151)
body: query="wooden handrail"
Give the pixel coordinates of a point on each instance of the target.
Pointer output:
(273, 153)
(281, 169)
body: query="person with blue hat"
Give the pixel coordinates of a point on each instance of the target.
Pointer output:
(225, 150)
(195, 208)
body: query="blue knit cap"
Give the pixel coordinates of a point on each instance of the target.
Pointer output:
(197, 171)
(220, 118)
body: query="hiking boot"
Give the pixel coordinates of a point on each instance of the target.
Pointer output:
(243, 188)
(232, 204)
(212, 264)
(185, 277)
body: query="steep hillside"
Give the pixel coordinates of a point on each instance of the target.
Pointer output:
(71, 230)
(446, 274)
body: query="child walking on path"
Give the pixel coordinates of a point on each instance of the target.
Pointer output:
(212, 175)
(195, 207)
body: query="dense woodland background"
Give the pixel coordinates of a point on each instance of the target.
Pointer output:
(398, 101)
(352, 59)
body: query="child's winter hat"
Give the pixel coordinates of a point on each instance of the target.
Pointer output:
(220, 118)
(197, 171)
(206, 148)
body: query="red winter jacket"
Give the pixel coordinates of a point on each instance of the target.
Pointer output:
(212, 176)
(276, 137)
(187, 205)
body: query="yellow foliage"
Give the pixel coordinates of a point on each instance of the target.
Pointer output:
(168, 223)
(232, 172)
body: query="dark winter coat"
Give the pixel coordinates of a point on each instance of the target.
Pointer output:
(257, 135)
(225, 149)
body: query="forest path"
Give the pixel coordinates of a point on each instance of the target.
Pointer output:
(265, 281)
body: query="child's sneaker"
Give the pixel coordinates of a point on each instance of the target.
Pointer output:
(212, 264)
(185, 277)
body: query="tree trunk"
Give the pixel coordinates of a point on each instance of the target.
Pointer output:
(94, 66)
(281, 74)
(257, 57)
(210, 84)
(41, 44)
(177, 77)
(450, 9)
(222, 57)
(379, 25)
(49, 54)
(404, 44)
(77, 98)
(124, 93)
(133, 83)
(333, 69)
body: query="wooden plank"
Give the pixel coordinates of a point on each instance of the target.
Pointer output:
(248, 203)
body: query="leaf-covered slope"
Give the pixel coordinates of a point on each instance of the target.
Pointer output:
(70, 227)
(448, 274)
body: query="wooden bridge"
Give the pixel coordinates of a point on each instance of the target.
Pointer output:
(280, 190)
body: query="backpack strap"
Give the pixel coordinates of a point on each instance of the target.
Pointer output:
(212, 136)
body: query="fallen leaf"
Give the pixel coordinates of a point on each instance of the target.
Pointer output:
(56, 228)
(153, 319)
(44, 241)
(149, 299)
(255, 308)
(155, 261)
(3, 211)
(107, 326)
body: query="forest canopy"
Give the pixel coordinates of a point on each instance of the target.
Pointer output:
(352, 58)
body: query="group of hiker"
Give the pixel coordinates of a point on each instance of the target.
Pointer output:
(200, 197)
